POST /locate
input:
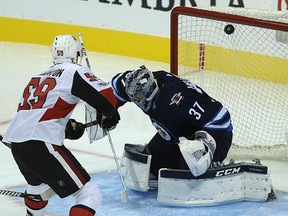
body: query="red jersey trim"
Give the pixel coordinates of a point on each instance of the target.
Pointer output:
(70, 163)
(109, 95)
(60, 110)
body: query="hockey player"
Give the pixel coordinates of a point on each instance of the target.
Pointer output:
(43, 121)
(194, 129)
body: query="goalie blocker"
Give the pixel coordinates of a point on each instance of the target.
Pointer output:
(223, 184)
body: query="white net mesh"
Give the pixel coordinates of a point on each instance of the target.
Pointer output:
(246, 68)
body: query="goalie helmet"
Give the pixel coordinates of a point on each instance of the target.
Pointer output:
(141, 87)
(66, 48)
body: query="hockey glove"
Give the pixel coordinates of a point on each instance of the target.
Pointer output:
(108, 122)
(73, 130)
(198, 153)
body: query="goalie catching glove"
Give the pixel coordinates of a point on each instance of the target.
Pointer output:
(73, 130)
(198, 153)
(108, 122)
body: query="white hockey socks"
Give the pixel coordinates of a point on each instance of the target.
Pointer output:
(87, 199)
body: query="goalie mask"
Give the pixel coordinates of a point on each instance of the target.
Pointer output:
(141, 87)
(66, 48)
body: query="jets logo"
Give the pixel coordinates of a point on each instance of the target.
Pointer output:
(162, 131)
(176, 99)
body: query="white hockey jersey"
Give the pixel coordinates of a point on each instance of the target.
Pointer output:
(49, 99)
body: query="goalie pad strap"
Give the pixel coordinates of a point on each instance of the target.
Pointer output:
(224, 170)
(131, 152)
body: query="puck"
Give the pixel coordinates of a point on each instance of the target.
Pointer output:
(229, 29)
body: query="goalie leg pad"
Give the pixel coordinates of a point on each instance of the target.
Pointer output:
(217, 186)
(135, 168)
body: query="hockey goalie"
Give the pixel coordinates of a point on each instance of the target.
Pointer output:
(184, 158)
(194, 131)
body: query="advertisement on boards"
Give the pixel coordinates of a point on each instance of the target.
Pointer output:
(150, 17)
(167, 5)
(116, 23)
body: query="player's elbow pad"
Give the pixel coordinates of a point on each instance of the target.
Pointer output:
(198, 153)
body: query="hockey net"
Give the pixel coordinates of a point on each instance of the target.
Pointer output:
(240, 57)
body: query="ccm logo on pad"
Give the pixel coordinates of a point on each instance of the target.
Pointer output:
(229, 171)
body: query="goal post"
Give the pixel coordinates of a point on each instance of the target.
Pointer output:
(240, 57)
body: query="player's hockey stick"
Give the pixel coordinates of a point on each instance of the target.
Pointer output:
(89, 124)
(83, 49)
(38, 197)
(20, 194)
(124, 194)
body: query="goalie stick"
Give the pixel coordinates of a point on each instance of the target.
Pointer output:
(124, 194)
